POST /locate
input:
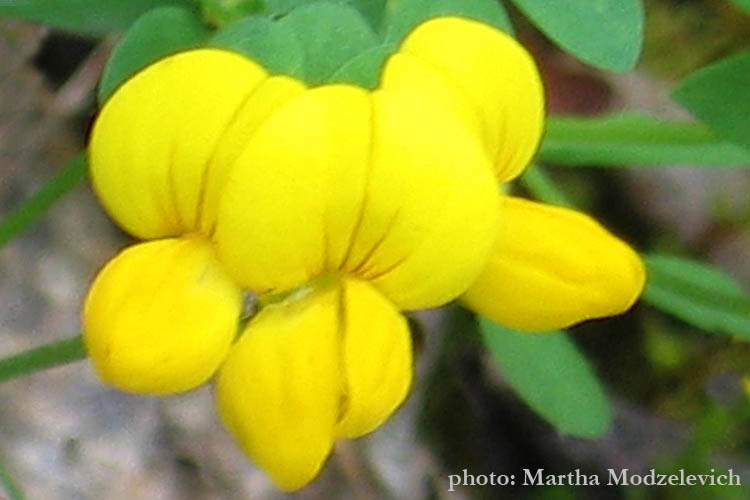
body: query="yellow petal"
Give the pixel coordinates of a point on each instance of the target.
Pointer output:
(152, 143)
(160, 316)
(279, 390)
(387, 187)
(266, 99)
(493, 73)
(291, 201)
(428, 220)
(553, 267)
(407, 73)
(377, 359)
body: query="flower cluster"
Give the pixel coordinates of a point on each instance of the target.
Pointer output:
(338, 207)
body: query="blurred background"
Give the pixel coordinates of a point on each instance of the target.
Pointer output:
(678, 393)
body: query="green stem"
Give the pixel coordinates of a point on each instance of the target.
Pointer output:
(539, 184)
(42, 357)
(11, 488)
(32, 209)
(633, 139)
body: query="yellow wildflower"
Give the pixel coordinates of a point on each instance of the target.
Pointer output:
(338, 207)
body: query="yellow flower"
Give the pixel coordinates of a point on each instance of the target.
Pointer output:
(339, 207)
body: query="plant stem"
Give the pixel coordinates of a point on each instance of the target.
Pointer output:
(32, 209)
(11, 488)
(633, 140)
(42, 357)
(539, 184)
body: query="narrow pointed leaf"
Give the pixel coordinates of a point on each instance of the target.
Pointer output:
(550, 374)
(42, 357)
(698, 294)
(604, 33)
(636, 140)
(38, 203)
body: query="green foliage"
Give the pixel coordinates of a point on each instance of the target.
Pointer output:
(364, 68)
(316, 41)
(743, 4)
(11, 488)
(37, 205)
(348, 41)
(699, 294)
(156, 34)
(371, 10)
(666, 349)
(223, 12)
(542, 187)
(718, 430)
(551, 375)
(282, 7)
(605, 33)
(330, 35)
(402, 16)
(633, 139)
(341, 37)
(85, 17)
(42, 357)
(719, 95)
(271, 44)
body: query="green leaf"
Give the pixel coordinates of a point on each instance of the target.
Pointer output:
(11, 488)
(224, 12)
(371, 10)
(698, 294)
(402, 16)
(551, 375)
(20, 218)
(85, 17)
(634, 139)
(283, 7)
(605, 33)
(719, 95)
(744, 5)
(364, 69)
(330, 35)
(271, 44)
(156, 34)
(42, 357)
